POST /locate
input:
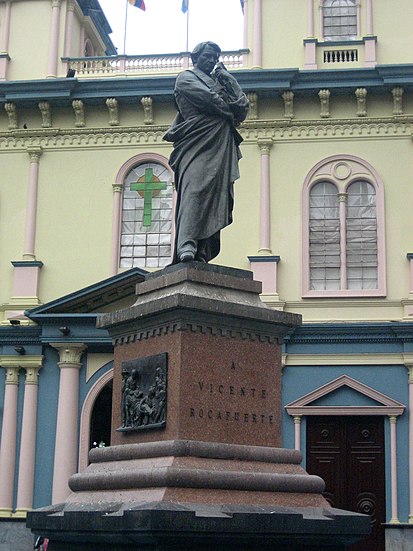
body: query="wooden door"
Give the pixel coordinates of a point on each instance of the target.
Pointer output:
(348, 453)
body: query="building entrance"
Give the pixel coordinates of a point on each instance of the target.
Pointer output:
(348, 453)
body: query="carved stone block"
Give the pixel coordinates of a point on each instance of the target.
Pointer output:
(144, 393)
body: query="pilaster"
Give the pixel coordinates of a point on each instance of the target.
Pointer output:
(393, 454)
(54, 39)
(117, 208)
(4, 52)
(257, 45)
(409, 367)
(265, 146)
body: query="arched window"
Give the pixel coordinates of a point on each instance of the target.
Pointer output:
(339, 19)
(343, 230)
(146, 216)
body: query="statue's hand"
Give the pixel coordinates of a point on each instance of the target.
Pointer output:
(221, 73)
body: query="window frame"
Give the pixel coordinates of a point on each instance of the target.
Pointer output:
(121, 176)
(339, 39)
(333, 170)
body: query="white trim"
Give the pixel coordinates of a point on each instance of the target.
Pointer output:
(344, 359)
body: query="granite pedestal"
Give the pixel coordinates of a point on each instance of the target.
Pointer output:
(203, 465)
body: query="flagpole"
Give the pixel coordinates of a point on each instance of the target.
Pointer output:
(187, 29)
(126, 24)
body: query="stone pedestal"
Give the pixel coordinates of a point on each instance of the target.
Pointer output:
(204, 467)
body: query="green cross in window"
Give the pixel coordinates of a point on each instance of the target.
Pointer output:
(148, 184)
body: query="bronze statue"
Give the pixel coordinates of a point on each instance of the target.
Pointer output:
(206, 151)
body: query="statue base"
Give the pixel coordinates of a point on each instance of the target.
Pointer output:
(197, 431)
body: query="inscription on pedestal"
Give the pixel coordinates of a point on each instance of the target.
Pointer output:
(144, 393)
(232, 402)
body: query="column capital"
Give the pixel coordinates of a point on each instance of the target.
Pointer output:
(265, 144)
(70, 353)
(117, 188)
(392, 419)
(12, 374)
(56, 3)
(70, 5)
(34, 153)
(297, 419)
(32, 375)
(342, 197)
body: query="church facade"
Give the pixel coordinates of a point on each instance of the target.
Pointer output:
(321, 218)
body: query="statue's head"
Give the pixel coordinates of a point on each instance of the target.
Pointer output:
(205, 56)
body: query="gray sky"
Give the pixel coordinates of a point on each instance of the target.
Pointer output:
(162, 27)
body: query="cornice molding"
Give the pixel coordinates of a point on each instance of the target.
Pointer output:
(252, 131)
(369, 359)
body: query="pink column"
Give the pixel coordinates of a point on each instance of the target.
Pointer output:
(297, 432)
(310, 18)
(245, 41)
(82, 42)
(54, 39)
(31, 210)
(321, 21)
(28, 443)
(410, 368)
(393, 454)
(257, 48)
(369, 17)
(265, 196)
(66, 446)
(4, 60)
(8, 440)
(117, 207)
(67, 50)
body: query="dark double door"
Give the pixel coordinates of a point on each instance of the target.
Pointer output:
(348, 453)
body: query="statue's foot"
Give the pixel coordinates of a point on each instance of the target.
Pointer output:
(186, 256)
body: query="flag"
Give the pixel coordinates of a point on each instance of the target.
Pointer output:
(184, 7)
(138, 4)
(242, 5)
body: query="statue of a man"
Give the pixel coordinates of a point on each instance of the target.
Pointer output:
(206, 151)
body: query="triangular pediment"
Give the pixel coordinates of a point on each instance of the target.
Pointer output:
(309, 403)
(102, 296)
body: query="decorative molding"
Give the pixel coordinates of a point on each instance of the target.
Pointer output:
(397, 93)
(79, 110)
(12, 374)
(369, 360)
(288, 98)
(69, 353)
(276, 129)
(46, 113)
(117, 188)
(35, 153)
(112, 105)
(147, 105)
(265, 144)
(387, 406)
(11, 111)
(253, 108)
(324, 96)
(173, 327)
(361, 95)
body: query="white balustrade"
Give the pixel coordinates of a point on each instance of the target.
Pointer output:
(133, 65)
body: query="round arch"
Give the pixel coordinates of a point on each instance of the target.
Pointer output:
(85, 417)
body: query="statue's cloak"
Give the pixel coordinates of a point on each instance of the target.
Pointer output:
(205, 156)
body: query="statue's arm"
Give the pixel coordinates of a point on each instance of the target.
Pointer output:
(238, 101)
(201, 96)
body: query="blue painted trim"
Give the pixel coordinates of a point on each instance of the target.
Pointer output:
(409, 256)
(27, 263)
(379, 332)
(267, 82)
(123, 279)
(268, 258)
